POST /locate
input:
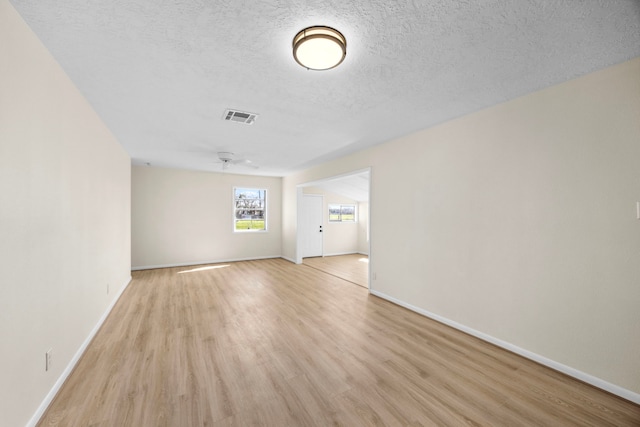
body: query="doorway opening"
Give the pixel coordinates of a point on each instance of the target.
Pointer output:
(333, 233)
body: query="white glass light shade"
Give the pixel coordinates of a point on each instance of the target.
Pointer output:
(319, 48)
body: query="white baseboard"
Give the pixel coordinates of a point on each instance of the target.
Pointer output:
(188, 264)
(582, 376)
(63, 377)
(288, 259)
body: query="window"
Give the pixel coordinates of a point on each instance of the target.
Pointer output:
(250, 209)
(342, 213)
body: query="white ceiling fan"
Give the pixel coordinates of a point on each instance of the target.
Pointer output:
(227, 159)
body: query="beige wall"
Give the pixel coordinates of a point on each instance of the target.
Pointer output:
(339, 238)
(525, 222)
(184, 217)
(64, 220)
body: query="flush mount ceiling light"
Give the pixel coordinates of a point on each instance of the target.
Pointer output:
(319, 48)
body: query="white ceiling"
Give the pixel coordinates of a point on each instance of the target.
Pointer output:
(354, 186)
(161, 73)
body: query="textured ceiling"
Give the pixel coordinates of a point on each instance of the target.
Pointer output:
(161, 73)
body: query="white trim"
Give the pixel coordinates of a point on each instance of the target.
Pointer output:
(72, 364)
(187, 264)
(369, 205)
(582, 376)
(299, 195)
(289, 259)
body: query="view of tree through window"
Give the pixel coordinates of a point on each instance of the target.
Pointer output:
(250, 206)
(342, 213)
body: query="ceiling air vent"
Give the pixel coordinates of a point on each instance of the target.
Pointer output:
(239, 117)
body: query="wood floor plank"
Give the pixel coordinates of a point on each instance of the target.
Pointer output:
(277, 344)
(353, 267)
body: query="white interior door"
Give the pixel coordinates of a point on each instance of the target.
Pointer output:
(311, 225)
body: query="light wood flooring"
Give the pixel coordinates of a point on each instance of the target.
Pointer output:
(353, 268)
(277, 344)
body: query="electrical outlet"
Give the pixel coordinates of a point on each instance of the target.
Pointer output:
(47, 359)
(375, 276)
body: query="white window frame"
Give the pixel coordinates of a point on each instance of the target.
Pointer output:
(264, 208)
(341, 206)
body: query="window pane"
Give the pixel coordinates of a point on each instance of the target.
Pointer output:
(348, 212)
(250, 209)
(342, 213)
(334, 212)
